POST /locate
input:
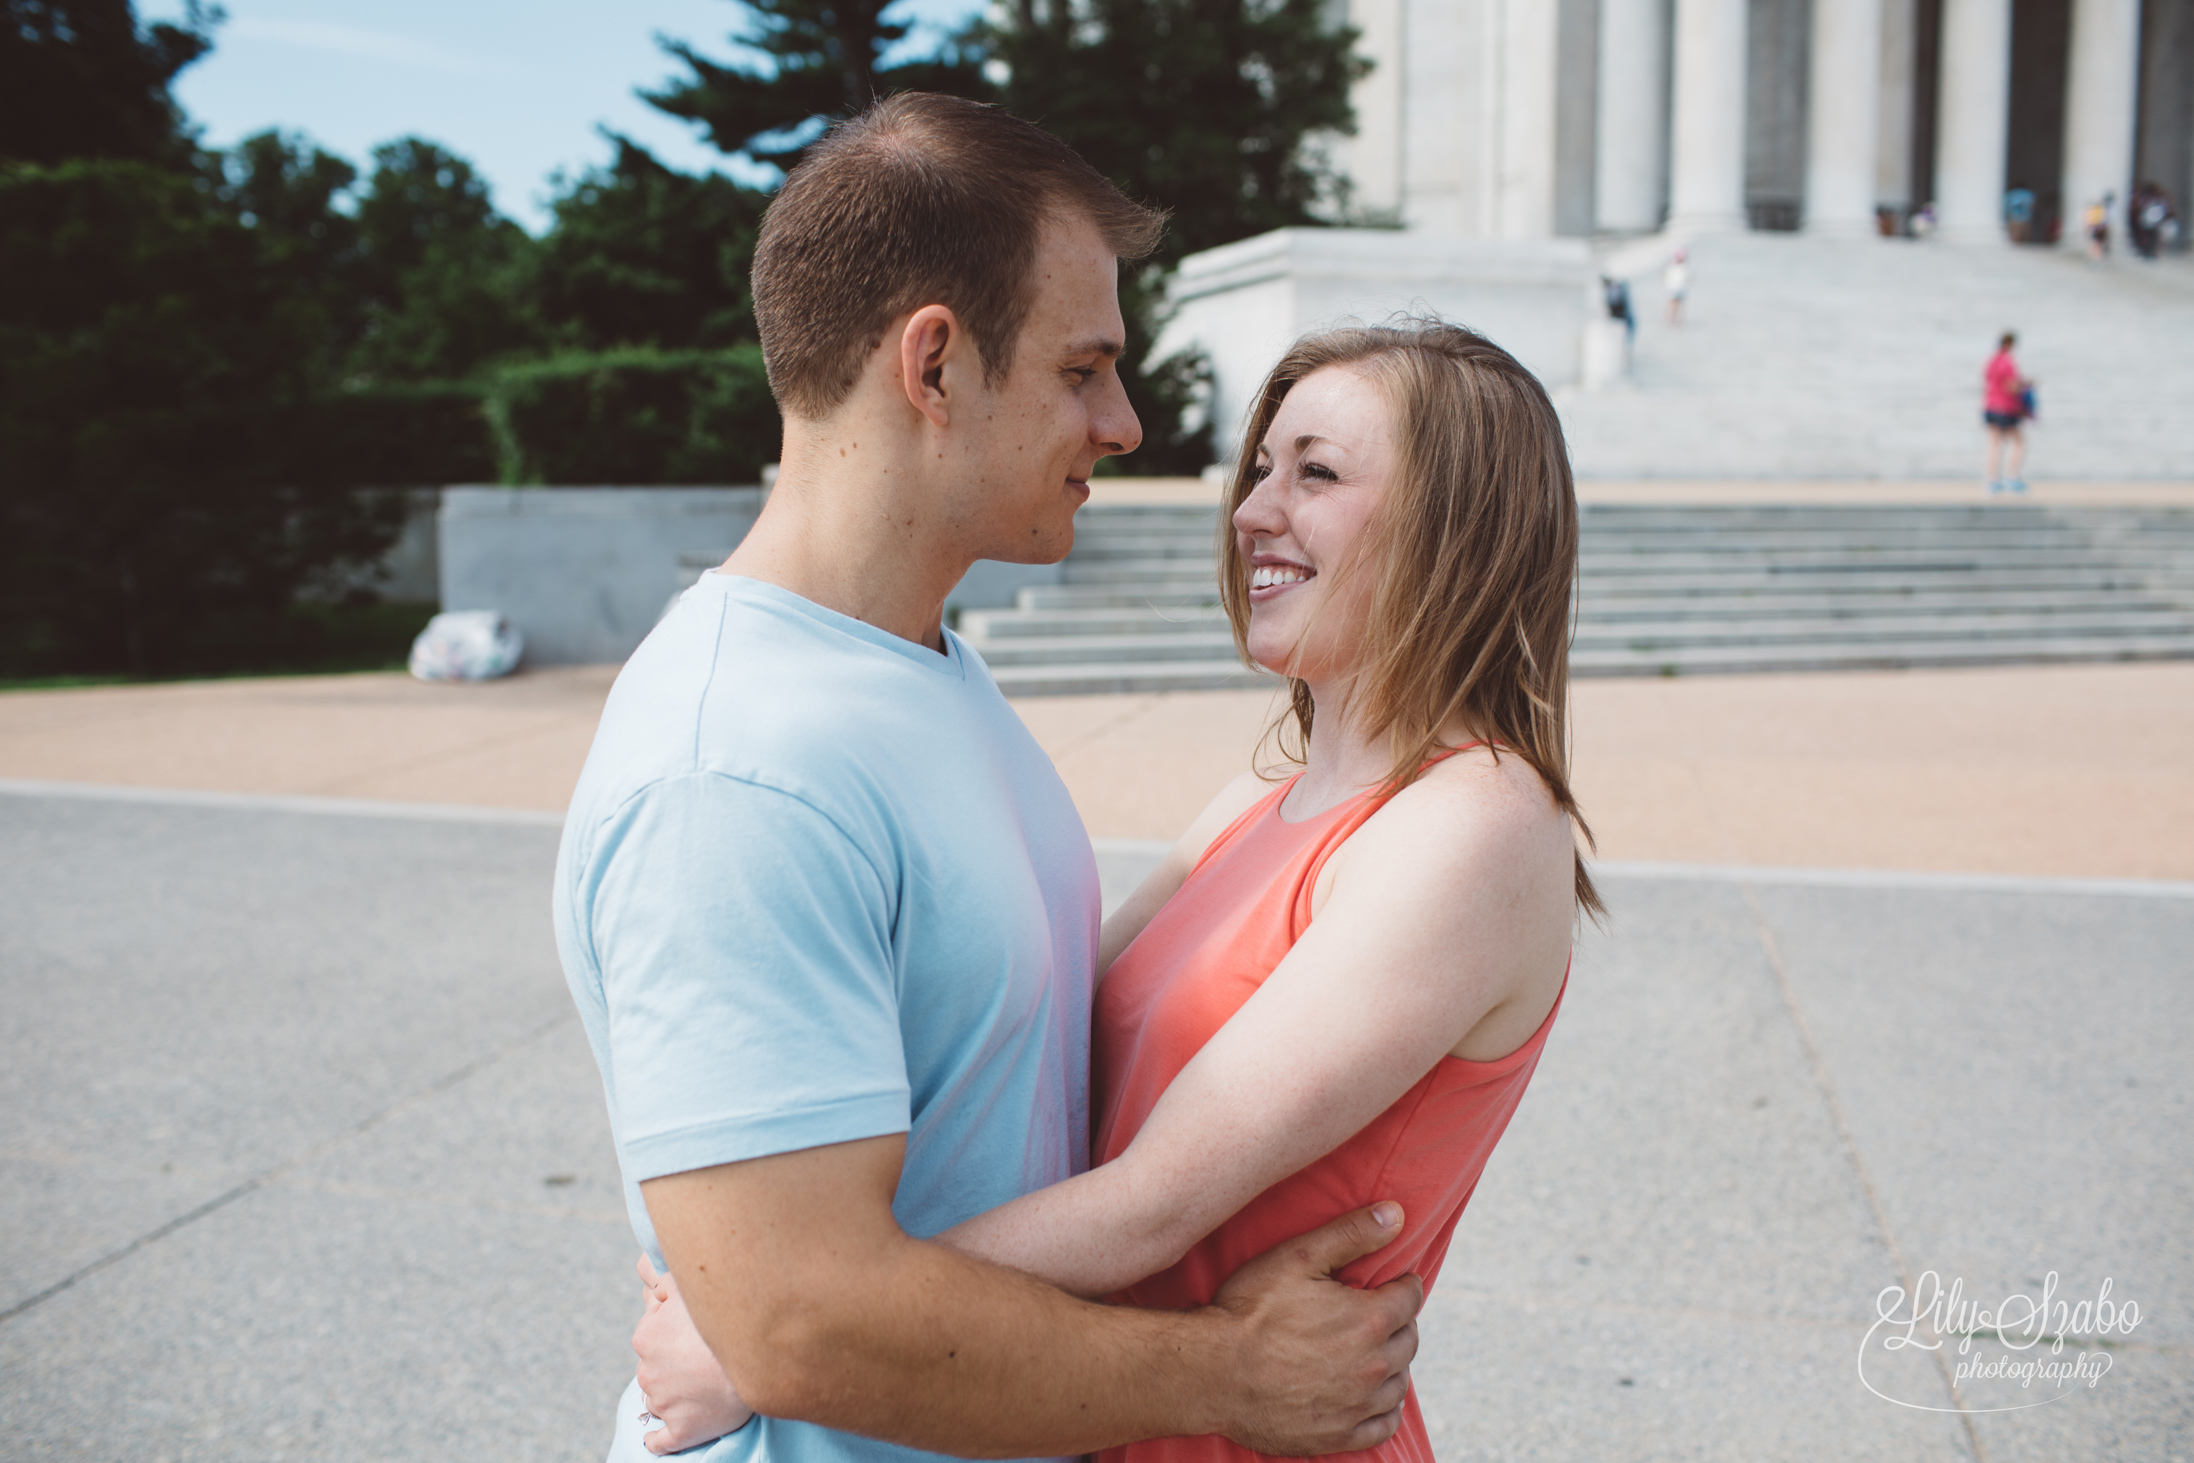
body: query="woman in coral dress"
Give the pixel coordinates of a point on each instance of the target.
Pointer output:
(1333, 991)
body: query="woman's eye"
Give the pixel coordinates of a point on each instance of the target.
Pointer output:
(1317, 471)
(1260, 472)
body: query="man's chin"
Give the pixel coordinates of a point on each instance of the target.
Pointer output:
(1033, 553)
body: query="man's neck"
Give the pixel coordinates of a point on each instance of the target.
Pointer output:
(852, 527)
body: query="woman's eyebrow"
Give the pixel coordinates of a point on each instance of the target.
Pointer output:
(1303, 443)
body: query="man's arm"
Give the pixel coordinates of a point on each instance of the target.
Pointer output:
(821, 1309)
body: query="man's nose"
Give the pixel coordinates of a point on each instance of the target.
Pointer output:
(1114, 427)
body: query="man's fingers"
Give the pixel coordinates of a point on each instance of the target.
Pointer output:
(1401, 1348)
(1351, 1237)
(1373, 1431)
(1391, 1394)
(1402, 1298)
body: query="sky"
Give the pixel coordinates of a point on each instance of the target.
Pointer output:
(517, 87)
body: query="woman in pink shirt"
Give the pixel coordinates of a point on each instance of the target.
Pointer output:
(2003, 407)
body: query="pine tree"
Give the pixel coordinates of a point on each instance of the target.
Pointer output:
(823, 63)
(1210, 109)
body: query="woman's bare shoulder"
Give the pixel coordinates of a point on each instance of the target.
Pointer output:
(1475, 815)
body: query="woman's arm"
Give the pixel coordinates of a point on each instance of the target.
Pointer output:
(1452, 901)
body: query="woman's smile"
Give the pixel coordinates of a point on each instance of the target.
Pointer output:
(1269, 578)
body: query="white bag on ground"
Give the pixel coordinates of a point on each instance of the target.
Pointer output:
(467, 645)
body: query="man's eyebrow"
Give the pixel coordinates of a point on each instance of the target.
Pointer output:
(1096, 345)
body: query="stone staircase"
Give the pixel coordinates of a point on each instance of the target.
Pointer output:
(1673, 590)
(1136, 609)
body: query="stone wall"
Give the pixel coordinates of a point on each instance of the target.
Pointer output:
(586, 572)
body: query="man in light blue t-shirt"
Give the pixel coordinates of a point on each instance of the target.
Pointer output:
(829, 915)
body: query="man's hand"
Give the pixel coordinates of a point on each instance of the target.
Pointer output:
(679, 1376)
(823, 1310)
(1323, 1366)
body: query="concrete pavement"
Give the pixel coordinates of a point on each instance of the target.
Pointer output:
(302, 1154)
(304, 1158)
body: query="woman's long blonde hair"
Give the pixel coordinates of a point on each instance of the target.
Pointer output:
(1472, 556)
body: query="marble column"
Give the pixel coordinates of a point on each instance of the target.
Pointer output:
(1972, 119)
(1631, 150)
(1373, 156)
(2102, 89)
(1707, 135)
(1844, 98)
(1528, 34)
(1893, 141)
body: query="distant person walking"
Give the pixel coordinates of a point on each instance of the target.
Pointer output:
(2150, 222)
(2007, 400)
(2096, 224)
(1676, 280)
(1617, 293)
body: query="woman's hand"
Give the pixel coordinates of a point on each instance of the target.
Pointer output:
(679, 1375)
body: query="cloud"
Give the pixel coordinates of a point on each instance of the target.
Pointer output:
(351, 40)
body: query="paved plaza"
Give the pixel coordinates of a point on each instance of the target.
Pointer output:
(304, 1155)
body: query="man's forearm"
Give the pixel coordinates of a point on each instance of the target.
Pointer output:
(867, 1330)
(821, 1309)
(938, 1350)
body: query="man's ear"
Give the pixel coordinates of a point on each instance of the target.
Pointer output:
(932, 340)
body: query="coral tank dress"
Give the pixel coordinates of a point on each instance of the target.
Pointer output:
(1241, 909)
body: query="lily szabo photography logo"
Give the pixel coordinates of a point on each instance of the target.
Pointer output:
(2024, 1351)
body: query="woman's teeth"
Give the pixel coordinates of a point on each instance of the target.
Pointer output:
(1272, 576)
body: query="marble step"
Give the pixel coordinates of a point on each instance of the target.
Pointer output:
(1895, 655)
(1099, 678)
(1653, 634)
(1059, 649)
(990, 625)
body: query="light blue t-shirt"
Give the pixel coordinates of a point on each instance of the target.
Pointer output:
(819, 883)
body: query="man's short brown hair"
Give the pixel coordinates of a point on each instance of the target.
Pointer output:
(920, 200)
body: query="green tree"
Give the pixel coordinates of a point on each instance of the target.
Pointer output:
(163, 501)
(819, 60)
(440, 274)
(644, 255)
(81, 78)
(1206, 108)
(288, 195)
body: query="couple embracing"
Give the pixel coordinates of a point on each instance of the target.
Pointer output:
(922, 1156)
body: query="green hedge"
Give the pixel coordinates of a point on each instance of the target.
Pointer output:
(636, 416)
(428, 435)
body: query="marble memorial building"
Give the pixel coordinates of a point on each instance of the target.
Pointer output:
(1497, 138)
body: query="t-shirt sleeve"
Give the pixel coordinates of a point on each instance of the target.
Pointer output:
(744, 943)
